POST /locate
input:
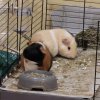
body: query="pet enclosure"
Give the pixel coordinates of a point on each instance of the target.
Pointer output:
(19, 19)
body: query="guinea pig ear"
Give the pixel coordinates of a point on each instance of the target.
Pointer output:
(43, 50)
(66, 42)
(29, 42)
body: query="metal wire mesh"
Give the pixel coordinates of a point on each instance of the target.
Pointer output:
(19, 20)
(16, 27)
(97, 65)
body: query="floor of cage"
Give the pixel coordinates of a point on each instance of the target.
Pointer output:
(75, 77)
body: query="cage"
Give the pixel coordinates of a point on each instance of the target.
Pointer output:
(78, 79)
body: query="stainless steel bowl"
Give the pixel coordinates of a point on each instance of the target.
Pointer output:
(38, 80)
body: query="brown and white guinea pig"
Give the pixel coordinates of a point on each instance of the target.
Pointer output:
(36, 56)
(58, 41)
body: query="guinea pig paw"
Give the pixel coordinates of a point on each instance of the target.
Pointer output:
(55, 62)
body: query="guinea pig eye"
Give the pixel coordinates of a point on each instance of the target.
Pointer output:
(68, 48)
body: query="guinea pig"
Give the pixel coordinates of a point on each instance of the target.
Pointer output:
(36, 56)
(58, 41)
(47, 38)
(67, 46)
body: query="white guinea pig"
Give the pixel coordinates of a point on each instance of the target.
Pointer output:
(58, 41)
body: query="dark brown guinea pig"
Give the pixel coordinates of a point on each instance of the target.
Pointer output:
(36, 56)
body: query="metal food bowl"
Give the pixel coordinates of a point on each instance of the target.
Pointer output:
(37, 80)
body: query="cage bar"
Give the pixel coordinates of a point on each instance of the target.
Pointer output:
(20, 20)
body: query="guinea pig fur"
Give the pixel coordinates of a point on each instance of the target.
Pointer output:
(67, 46)
(58, 41)
(48, 38)
(36, 56)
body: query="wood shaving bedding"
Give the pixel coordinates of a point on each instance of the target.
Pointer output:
(75, 77)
